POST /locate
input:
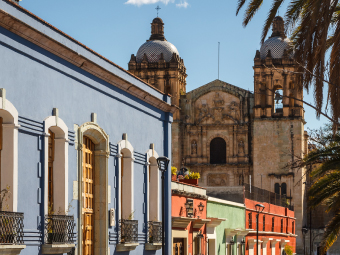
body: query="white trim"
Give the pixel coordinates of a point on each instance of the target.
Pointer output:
(153, 186)
(126, 199)
(221, 201)
(60, 164)
(10, 151)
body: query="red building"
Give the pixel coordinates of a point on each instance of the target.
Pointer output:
(189, 211)
(276, 229)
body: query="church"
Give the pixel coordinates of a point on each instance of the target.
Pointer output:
(229, 135)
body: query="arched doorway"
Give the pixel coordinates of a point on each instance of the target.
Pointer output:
(218, 149)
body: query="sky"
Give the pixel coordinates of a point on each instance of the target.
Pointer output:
(117, 28)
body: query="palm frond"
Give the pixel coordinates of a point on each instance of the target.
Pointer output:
(240, 5)
(252, 8)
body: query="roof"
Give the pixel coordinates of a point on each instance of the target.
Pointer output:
(33, 29)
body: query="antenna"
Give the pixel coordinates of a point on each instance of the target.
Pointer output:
(157, 8)
(218, 65)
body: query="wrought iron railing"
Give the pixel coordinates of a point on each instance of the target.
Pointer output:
(59, 229)
(11, 228)
(154, 232)
(261, 195)
(128, 231)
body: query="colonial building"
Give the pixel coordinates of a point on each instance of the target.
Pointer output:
(230, 135)
(79, 141)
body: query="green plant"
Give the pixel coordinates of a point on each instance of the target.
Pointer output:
(173, 170)
(288, 249)
(193, 175)
(186, 177)
(131, 215)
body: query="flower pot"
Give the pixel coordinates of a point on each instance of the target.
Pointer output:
(190, 181)
(173, 177)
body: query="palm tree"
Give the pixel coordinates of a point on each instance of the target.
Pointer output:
(325, 189)
(315, 27)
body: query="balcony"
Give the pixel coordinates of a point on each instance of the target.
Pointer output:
(154, 236)
(59, 234)
(11, 232)
(127, 235)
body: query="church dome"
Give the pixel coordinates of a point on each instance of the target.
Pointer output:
(154, 49)
(277, 43)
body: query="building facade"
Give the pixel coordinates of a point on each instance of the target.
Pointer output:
(233, 136)
(189, 219)
(276, 229)
(226, 232)
(79, 141)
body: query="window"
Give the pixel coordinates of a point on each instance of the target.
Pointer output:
(153, 186)
(190, 207)
(264, 223)
(281, 225)
(273, 220)
(126, 180)
(9, 153)
(250, 221)
(284, 189)
(51, 148)
(278, 101)
(293, 230)
(277, 188)
(218, 148)
(56, 166)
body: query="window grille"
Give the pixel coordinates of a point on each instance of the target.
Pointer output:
(281, 225)
(250, 221)
(264, 223)
(59, 229)
(273, 224)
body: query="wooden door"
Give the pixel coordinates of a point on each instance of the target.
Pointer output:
(88, 186)
(178, 246)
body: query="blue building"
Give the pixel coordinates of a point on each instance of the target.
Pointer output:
(79, 141)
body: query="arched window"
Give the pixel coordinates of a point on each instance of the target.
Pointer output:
(153, 187)
(284, 189)
(9, 153)
(56, 166)
(277, 188)
(126, 180)
(218, 149)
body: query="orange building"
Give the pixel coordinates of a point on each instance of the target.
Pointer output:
(276, 229)
(189, 211)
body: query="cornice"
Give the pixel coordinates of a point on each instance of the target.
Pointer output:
(32, 35)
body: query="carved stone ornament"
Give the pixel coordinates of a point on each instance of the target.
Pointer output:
(234, 110)
(241, 148)
(218, 100)
(194, 147)
(217, 179)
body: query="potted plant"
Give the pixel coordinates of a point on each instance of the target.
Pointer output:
(191, 178)
(173, 173)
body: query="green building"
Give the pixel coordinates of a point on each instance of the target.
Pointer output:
(226, 230)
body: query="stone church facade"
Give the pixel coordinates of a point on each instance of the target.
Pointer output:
(230, 135)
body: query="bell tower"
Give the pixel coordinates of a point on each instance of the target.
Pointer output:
(279, 137)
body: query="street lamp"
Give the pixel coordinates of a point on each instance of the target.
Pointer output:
(163, 163)
(259, 208)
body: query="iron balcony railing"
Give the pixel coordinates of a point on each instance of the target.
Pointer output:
(59, 229)
(265, 196)
(11, 228)
(128, 231)
(154, 232)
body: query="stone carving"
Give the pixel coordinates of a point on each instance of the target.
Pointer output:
(234, 110)
(217, 180)
(193, 147)
(241, 148)
(218, 100)
(204, 113)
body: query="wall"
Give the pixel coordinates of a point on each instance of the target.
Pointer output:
(234, 214)
(37, 81)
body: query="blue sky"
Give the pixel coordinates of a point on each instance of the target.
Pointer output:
(117, 28)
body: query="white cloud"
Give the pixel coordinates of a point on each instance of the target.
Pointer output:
(141, 2)
(183, 4)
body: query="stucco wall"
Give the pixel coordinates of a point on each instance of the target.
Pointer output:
(235, 218)
(36, 81)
